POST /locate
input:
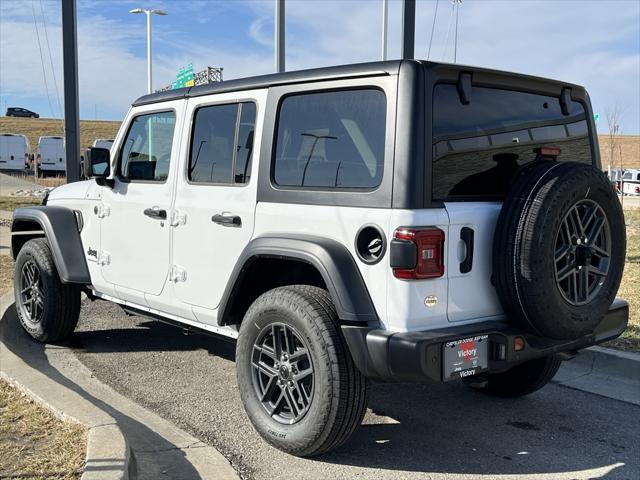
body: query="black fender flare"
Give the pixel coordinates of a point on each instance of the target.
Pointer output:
(60, 228)
(332, 260)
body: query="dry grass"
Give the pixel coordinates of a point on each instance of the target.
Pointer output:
(6, 262)
(34, 128)
(630, 287)
(11, 203)
(51, 181)
(34, 442)
(6, 274)
(41, 181)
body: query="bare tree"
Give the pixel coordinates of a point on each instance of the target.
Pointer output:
(613, 124)
(621, 181)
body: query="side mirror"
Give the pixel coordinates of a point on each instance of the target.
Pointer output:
(97, 163)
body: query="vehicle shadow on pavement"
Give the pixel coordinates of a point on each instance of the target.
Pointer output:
(408, 431)
(150, 336)
(451, 429)
(20, 343)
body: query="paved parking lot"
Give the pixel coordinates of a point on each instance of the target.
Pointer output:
(410, 431)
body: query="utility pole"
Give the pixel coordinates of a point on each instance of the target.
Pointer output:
(279, 37)
(70, 70)
(408, 28)
(385, 21)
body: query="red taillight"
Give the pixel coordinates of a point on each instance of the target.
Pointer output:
(550, 151)
(637, 189)
(429, 262)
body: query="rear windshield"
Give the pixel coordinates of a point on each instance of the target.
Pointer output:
(478, 147)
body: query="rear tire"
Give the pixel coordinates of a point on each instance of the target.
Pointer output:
(334, 391)
(47, 308)
(520, 380)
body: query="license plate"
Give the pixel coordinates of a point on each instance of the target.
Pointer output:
(465, 357)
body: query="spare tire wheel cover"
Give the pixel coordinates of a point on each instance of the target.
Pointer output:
(559, 249)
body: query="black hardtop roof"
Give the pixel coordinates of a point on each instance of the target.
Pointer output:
(264, 81)
(391, 67)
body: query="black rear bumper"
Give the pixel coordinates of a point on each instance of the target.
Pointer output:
(417, 356)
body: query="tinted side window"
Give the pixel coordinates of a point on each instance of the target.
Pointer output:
(244, 148)
(331, 140)
(212, 147)
(146, 152)
(478, 147)
(222, 143)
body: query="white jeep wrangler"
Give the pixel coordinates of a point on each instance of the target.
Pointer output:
(404, 221)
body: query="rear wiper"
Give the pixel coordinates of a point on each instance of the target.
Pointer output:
(565, 100)
(464, 88)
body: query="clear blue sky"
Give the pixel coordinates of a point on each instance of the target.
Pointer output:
(595, 43)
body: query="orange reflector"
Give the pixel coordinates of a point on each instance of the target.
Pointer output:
(518, 344)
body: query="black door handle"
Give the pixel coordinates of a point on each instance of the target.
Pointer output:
(466, 235)
(227, 220)
(156, 213)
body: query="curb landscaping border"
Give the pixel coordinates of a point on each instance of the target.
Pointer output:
(608, 361)
(108, 455)
(126, 440)
(605, 372)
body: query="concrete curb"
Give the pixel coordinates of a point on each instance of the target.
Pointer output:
(108, 454)
(609, 361)
(603, 371)
(125, 439)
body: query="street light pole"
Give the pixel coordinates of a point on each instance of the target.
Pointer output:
(385, 21)
(70, 68)
(456, 4)
(148, 13)
(279, 46)
(408, 29)
(149, 54)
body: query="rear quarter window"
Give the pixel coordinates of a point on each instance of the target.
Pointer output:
(331, 140)
(478, 147)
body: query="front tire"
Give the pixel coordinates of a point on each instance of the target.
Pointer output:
(298, 383)
(520, 380)
(47, 309)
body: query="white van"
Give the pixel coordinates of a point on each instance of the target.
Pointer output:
(631, 182)
(51, 155)
(14, 151)
(103, 143)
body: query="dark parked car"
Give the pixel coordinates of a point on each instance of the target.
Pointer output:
(21, 112)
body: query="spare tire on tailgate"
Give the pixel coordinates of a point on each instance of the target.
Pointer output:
(558, 250)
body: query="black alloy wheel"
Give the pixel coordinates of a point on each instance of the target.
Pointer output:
(282, 373)
(32, 291)
(48, 309)
(583, 249)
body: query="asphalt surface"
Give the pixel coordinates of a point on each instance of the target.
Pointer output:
(409, 432)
